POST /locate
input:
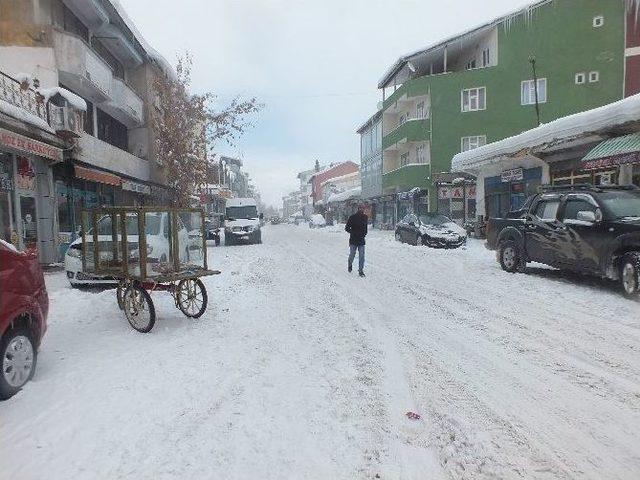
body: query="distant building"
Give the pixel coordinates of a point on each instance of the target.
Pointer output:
(318, 179)
(371, 170)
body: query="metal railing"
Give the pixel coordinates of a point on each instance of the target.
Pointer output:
(25, 99)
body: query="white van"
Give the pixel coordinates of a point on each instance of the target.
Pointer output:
(242, 222)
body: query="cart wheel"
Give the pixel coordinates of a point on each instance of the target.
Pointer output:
(191, 297)
(122, 287)
(139, 309)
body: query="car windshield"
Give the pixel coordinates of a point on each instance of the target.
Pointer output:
(248, 211)
(152, 224)
(622, 204)
(434, 219)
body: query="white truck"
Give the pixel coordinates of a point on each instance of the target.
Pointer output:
(242, 222)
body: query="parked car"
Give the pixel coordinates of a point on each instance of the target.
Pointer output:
(275, 220)
(157, 230)
(24, 305)
(317, 221)
(243, 222)
(589, 230)
(431, 229)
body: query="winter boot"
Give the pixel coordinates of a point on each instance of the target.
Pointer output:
(361, 273)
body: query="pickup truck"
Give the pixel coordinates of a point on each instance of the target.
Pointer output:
(589, 230)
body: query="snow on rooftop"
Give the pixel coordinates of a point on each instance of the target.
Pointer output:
(24, 116)
(346, 195)
(162, 62)
(566, 128)
(74, 100)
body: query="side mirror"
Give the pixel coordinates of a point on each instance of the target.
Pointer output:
(587, 216)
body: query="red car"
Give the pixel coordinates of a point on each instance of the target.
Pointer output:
(24, 305)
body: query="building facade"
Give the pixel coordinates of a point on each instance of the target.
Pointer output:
(555, 58)
(318, 181)
(371, 166)
(93, 50)
(305, 192)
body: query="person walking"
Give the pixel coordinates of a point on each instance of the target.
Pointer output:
(357, 228)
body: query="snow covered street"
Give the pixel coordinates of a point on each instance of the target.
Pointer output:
(300, 370)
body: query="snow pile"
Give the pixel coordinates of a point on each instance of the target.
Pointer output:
(74, 100)
(24, 116)
(563, 129)
(8, 245)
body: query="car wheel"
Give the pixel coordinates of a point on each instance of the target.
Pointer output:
(419, 240)
(18, 359)
(630, 274)
(510, 257)
(398, 237)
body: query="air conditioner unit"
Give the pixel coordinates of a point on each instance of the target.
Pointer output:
(66, 120)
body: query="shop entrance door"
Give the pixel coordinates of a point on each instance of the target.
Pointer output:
(29, 222)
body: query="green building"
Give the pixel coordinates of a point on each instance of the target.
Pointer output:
(479, 87)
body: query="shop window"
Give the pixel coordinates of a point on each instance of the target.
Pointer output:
(65, 207)
(112, 131)
(72, 24)
(116, 67)
(6, 191)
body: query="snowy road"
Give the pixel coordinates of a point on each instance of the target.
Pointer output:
(301, 371)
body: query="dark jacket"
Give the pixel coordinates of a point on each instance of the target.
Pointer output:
(357, 227)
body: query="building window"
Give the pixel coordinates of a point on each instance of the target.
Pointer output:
(471, 64)
(73, 24)
(420, 110)
(420, 156)
(598, 21)
(580, 78)
(404, 159)
(88, 115)
(486, 57)
(112, 131)
(528, 93)
(594, 77)
(474, 99)
(116, 67)
(469, 143)
(402, 119)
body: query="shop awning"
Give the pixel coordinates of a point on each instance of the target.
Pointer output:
(97, 176)
(613, 152)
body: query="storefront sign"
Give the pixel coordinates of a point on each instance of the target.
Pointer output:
(444, 193)
(136, 187)
(457, 192)
(471, 191)
(513, 175)
(26, 174)
(614, 161)
(28, 145)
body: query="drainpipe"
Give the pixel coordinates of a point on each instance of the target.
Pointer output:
(532, 60)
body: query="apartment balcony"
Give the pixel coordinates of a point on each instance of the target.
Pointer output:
(124, 104)
(406, 177)
(415, 130)
(81, 69)
(101, 154)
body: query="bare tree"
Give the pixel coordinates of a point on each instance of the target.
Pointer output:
(187, 127)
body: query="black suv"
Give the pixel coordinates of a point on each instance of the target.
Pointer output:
(591, 230)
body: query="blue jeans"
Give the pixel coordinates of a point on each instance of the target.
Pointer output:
(352, 255)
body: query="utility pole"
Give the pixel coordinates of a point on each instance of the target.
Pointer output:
(532, 60)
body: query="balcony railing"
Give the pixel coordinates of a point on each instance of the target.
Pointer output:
(410, 131)
(28, 99)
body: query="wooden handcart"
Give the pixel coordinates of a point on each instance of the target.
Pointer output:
(148, 249)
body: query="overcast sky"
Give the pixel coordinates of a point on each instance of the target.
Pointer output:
(314, 64)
